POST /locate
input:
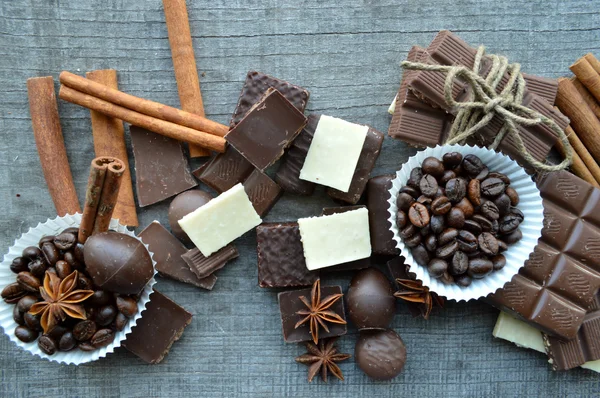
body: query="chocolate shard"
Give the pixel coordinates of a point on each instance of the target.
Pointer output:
(366, 162)
(256, 86)
(280, 256)
(268, 128)
(382, 239)
(224, 170)
(558, 283)
(262, 191)
(166, 251)
(204, 266)
(288, 175)
(161, 169)
(162, 323)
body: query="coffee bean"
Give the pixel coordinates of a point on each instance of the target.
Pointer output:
(502, 202)
(472, 165)
(459, 264)
(483, 174)
(486, 225)
(490, 210)
(425, 200)
(474, 254)
(120, 321)
(78, 253)
(446, 278)
(431, 243)
(447, 251)
(84, 330)
(12, 293)
(455, 218)
(440, 192)
(70, 258)
(452, 159)
(474, 192)
(512, 237)
(63, 269)
(425, 230)
(467, 241)
(512, 195)
(420, 255)
(501, 176)
(447, 176)
(18, 316)
(38, 268)
(45, 239)
(401, 219)
(433, 166)
(413, 241)
(502, 246)
(408, 231)
(456, 189)
(437, 267)
(418, 215)
(128, 306)
(410, 190)
(441, 205)
(488, 244)
(498, 262)
(463, 280)
(472, 226)
(437, 224)
(28, 282)
(56, 332)
(100, 298)
(51, 253)
(508, 224)
(32, 253)
(404, 201)
(86, 346)
(448, 235)
(495, 227)
(67, 342)
(479, 267)
(514, 211)
(415, 177)
(25, 334)
(102, 338)
(47, 345)
(466, 207)
(32, 321)
(107, 314)
(19, 264)
(26, 302)
(428, 185)
(65, 241)
(492, 187)
(84, 283)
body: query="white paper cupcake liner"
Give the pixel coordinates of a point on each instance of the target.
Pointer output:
(31, 238)
(530, 203)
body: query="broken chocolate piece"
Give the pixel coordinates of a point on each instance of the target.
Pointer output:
(382, 239)
(224, 170)
(262, 191)
(204, 266)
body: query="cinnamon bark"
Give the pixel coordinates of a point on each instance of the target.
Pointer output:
(109, 140)
(50, 145)
(184, 63)
(584, 156)
(109, 196)
(593, 61)
(587, 97)
(588, 76)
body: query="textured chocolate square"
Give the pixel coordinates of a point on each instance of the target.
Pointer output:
(382, 239)
(224, 170)
(204, 266)
(262, 191)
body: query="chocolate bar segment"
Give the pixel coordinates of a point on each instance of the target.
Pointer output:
(288, 175)
(366, 162)
(161, 169)
(162, 323)
(327, 211)
(204, 266)
(256, 86)
(224, 170)
(268, 128)
(280, 256)
(382, 239)
(262, 191)
(166, 251)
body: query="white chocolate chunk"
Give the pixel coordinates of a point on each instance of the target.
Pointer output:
(221, 221)
(335, 239)
(333, 153)
(392, 107)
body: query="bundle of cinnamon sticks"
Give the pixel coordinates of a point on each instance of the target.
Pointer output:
(579, 99)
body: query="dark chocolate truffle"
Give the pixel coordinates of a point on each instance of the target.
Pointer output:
(117, 262)
(181, 206)
(370, 299)
(381, 354)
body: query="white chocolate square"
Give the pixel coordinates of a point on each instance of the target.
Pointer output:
(221, 221)
(333, 153)
(335, 239)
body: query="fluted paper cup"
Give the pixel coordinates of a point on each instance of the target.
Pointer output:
(530, 204)
(31, 238)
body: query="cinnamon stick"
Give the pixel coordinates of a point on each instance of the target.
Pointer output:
(587, 75)
(587, 97)
(109, 196)
(582, 118)
(584, 155)
(50, 144)
(184, 63)
(144, 106)
(159, 126)
(593, 61)
(109, 140)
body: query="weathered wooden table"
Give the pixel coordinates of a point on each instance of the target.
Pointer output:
(347, 54)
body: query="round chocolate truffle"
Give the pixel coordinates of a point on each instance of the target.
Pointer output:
(181, 206)
(370, 299)
(381, 354)
(117, 262)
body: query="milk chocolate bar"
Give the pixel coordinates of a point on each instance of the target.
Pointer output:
(224, 170)
(204, 266)
(262, 191)
(382, 239)
(558, 283)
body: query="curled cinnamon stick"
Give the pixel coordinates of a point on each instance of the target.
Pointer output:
(110, 192)
(159, 126)
(593, 61)
(587, 75)
(584, 156)
(587, 97)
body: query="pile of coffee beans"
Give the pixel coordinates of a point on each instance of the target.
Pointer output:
(106, 312)
(458, 217)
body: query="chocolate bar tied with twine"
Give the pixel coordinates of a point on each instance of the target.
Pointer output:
(485, 103)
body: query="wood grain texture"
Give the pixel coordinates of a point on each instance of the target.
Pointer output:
(347, 53)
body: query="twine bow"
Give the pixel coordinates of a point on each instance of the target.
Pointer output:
(486, 103)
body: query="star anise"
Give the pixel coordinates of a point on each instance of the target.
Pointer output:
(60, 300)
(415, 292)
(318, 313)
(323, 357)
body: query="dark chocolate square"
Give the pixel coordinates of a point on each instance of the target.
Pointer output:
(204, 266)
(262, 191)
(225, 170)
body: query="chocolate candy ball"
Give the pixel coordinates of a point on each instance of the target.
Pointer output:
(381, 354)
(117, 262)
(370, 299)
(181, 206)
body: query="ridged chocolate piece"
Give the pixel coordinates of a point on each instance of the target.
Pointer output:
(167, 251)
(162, 323)
(559, 281)
(257, 84)
(262, 191)
(204, 266)
(288, 175)
(280, 256)
(366, 162)
(224, 170)
(382, 239)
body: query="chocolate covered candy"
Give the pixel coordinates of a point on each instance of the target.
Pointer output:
(370, 300)
(182, 205)
(381, 354)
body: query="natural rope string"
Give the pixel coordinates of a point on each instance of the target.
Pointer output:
(486, 103)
